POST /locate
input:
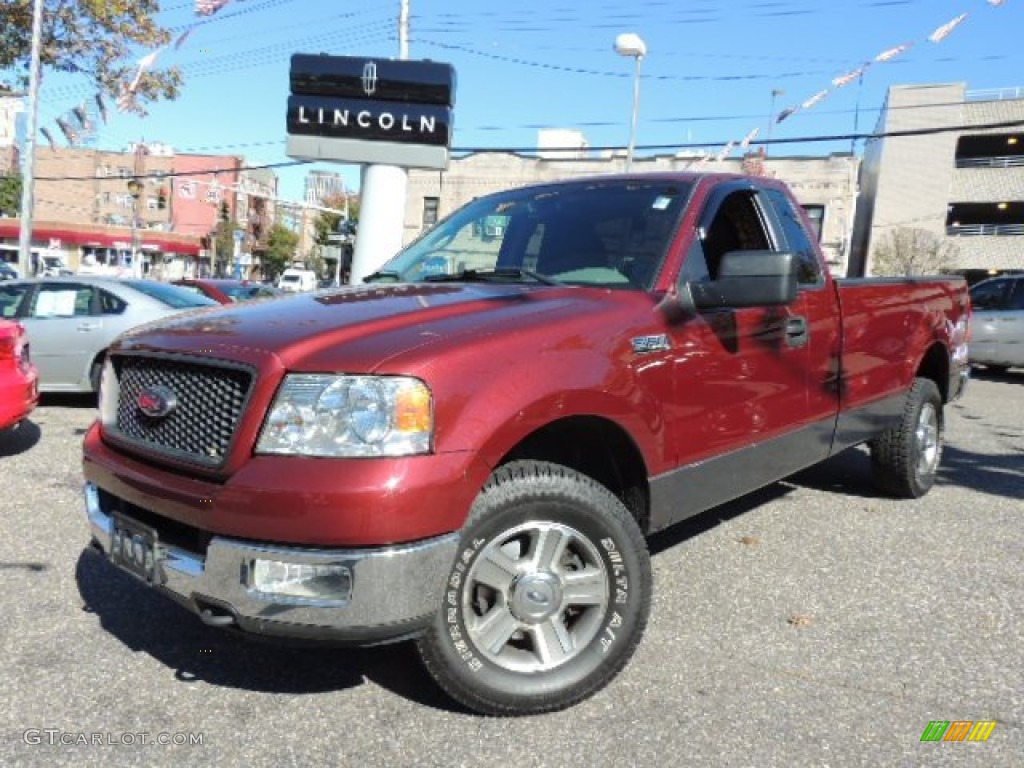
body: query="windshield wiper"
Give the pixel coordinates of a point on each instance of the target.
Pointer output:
(384, 274)
(486, 275)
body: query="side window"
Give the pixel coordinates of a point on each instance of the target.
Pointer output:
(110, 304)
(11, 298)
(737, 226)
(1016, 301)
(989, 295)
(63, 300)
(695, 266)
(797, 241)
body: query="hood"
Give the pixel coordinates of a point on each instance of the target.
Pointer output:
(358, 328)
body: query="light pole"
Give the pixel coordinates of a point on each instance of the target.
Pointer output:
(631, 44)
(776, 92)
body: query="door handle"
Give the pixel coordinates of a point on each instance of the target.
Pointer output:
(87, 326)
(796, 331)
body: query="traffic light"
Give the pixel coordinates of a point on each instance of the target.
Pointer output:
(161, 199)
(225, 213)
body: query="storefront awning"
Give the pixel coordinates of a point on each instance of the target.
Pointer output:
(104, 237)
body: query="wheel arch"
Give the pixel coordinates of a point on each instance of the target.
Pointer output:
(598, 448)
(935, 366)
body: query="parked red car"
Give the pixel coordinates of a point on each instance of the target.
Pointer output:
(19, 381)
(228, 291)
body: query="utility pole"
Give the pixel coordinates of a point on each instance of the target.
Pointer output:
(29, 167)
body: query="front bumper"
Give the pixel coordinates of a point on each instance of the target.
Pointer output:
(394, 592)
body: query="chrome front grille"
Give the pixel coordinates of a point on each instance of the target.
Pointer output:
(210, 400)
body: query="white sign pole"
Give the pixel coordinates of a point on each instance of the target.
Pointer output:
(381, 219)
(382, 197)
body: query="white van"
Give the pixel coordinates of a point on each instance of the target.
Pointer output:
(296, 280)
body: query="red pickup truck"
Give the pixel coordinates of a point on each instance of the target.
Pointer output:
(470, 449)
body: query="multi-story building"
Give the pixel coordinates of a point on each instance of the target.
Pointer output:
(95, 208)
(323, 185)
(255, 216)
(825, 186)
(949, 161)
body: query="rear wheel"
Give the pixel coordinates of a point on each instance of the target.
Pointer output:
(548, 597)
(906, 458)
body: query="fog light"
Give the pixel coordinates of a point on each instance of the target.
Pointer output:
(301, 582)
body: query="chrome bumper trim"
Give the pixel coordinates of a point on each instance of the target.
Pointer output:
(397, 586)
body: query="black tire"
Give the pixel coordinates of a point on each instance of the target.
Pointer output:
(539, 649)
(905, 459)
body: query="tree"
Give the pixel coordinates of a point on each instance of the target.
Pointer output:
(327, 223)
(98, 38)
(281, 244)
(10, 196)
(906, 251)
(224, 247)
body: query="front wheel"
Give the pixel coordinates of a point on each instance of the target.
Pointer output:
(548, 596)
(906, 458)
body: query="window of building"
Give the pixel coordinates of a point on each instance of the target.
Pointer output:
(1003, 218)
(151, 204)
(124, 173)
(994, 150)
(430, 208)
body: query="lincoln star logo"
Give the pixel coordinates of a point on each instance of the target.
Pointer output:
(369, 78)
(157, 402)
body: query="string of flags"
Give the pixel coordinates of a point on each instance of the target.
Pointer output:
(937, 36)
(78, 125)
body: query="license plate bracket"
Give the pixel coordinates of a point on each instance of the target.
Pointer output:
(135, 547)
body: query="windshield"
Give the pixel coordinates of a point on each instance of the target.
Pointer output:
(609, 233)
(172, 295)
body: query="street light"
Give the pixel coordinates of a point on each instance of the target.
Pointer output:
(135, 189)
(631, 44)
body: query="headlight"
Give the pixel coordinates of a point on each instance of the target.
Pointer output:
(336, 415)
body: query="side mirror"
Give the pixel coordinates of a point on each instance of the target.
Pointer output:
(745, 279)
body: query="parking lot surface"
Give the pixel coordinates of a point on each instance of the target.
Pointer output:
(814, 623)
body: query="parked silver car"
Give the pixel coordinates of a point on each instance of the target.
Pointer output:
(72, 320)
(997, 326)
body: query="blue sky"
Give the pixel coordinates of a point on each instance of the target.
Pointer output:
(707, 79)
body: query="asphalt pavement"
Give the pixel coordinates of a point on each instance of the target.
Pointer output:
(815, 623)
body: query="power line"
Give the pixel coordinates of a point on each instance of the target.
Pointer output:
(962, 128)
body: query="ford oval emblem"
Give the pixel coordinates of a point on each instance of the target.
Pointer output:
(157, 402)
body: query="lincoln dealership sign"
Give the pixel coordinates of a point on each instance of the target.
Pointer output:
(375, 111)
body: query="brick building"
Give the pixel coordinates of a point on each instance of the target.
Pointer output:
(86, 202)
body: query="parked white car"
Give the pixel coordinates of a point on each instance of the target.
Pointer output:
(997, 326)
(296, 280)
